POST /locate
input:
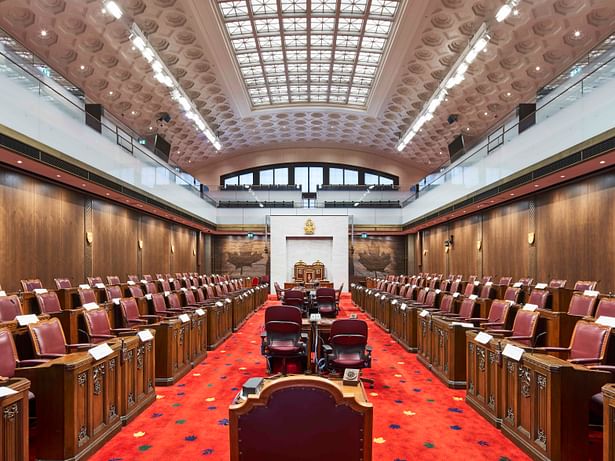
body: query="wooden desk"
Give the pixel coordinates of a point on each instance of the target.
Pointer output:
(324, 330)
(448, 351)
(546, 405)
(329, 421)
(608, 439)
(14, 421)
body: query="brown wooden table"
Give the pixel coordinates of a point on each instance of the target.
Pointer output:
(14, 420)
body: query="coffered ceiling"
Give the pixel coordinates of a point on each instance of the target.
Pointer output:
(293, 94)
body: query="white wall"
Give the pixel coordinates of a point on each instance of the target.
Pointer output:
(332, 250)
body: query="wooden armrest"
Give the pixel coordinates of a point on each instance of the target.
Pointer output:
(124, 331)
(500, 332)
(477, 319)
(519, 338)
(582, 361)
(551, 349)
(81, 346)
(610, 368)
(51, 356)
(488, 325)
(31, 362)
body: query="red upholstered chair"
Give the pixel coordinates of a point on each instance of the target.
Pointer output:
(582, 305)
(255, 281)
(505, 281)
(49, 341)
(135, 291)
(48, 303)
(282, 337)
(160, 307)
(456, 286)
(295, 298)
(523, 330)
(466, 311)
(487, 292)
(582, 285)
(498, 315)
(133, 278)
(63, 283)
(148, 278)
(191, 299)
(325, 301)
(113, 292)
(513, 294)
(301, 418)
(588, 344)
(98, 328)
(151, 288)
(540, 298)
(526, 282)
(9, 359)
(446, 306)
(131, 315)
(175, 303)
(166, 286)
(555, 283)
(606, 308)
(31, 284)
(160, 277)
(486, 279)
(92, 281)
(87, 296)
(113, 280)
(10, 307)
(348, 346)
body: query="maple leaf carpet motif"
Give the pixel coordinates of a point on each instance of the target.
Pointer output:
(415, 416)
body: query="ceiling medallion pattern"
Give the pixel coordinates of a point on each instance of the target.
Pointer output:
(81, 38)
(299, 52)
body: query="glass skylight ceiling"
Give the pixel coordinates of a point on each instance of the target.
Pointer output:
(301, 51)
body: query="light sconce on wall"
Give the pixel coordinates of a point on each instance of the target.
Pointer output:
(531, 238)
(425, 252)
(479, 245)
(89, 237)
(140, 244)
(172, 248)
(194, 252)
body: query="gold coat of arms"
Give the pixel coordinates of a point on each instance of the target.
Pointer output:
(309, 227)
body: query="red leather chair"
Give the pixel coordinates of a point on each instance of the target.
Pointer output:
(148, 278)
(498, 315)
(49, 341)
(540, 298)
(131, 315)
(98, 328)
(31, 284)
(133, 278)
(325, 302)
(582, 305)
(523, 330)
(160, 307)
(348, 346)
(505, 281)
(87, 296)
(446, 307)
(582, 285)
(48, 303)
(513, 294)
(135, 291)
(466, 311)
(10, 307)
(92, 281)
(282, 337)
(295, 298)
(556, 283)
(486, 279)
(588, 344)
(487, 292)
(526, 282)
(151, 288)
(113, 280)
(63, 283)
(606, 308)
(113, 292)
(9, 360)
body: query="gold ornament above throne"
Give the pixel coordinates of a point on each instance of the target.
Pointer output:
(309, 227)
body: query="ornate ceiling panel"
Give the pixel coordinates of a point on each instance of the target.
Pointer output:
(93, 51)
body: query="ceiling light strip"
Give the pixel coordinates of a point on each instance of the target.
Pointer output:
(454, 77)
(164, 76)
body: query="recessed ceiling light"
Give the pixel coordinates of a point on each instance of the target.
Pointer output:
(150, 128)
(536, 185)
(110, 92)
(537, 68)
(43, 33)
(107, 194)
(577, 33)
(83, 185)
(20, 161)
(58, 176)
(512, 193)
(486, 113)
(82, 67)
(508, 93)
(132, 112)
(562, 176)
(602, 162)
(515, 12)
(491, 201)
(468, 129)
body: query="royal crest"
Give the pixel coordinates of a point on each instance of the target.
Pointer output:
(309, 227)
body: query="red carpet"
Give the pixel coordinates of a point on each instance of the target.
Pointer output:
(415, 416)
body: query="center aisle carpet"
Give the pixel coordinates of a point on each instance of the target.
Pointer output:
(415, 416)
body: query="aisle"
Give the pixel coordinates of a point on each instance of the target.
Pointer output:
(415, 416)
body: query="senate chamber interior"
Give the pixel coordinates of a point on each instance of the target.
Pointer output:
(296, 230)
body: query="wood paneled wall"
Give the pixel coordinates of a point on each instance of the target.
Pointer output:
(574, 228)
(42, 235)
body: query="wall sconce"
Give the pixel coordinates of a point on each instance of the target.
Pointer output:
(89, 237)
(140, 244)
(250, 235)
(172, 248)
(194, 252)
(531, 238)
(446, 248)
(479, 245)
(425, 252)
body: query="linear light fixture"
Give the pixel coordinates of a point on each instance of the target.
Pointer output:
(113, 8)
(164, 76)
(454, 77)
(505, 10)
